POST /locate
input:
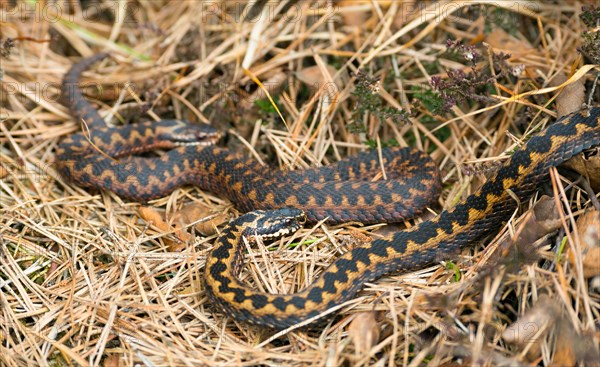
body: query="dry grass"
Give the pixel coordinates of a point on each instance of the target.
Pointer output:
(84, 280)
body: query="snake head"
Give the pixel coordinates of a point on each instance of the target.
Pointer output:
(272, 224)
(182, 133)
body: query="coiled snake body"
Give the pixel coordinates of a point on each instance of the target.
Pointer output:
(340, 192)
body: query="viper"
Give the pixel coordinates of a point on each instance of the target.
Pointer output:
(111, 158)
(337, 193)
(480, 214)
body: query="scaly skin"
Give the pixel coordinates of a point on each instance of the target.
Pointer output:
(340, 192)
(479, 215)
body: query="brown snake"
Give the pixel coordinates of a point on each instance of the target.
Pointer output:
(340, 192)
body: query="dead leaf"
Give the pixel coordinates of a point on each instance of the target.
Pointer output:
(587, 167)
(313, 76)
(364, 332)
(571, 97)
(530, 329)
(353, 18)
(207, 222)
(3, 172)
(588, 229)
(155, 218)
(112, 360)
(407, 11)
(521, 249)
(352, 238)
(518, 49)
(545, 217)
(499, 39)
(573, 348)
(564, 354)
(207, 219)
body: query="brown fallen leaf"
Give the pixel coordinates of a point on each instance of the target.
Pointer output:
(207, 219)
(571, 97)
(522, 247)
(353, 238)
(587, 167)
(207, 222)
(364, 332)
(406, 12)
(530, 329)
(574, 348)
(3, 172)
(564, 354)
(112, 360)
(313, 76)
(518, 49)
(570, 348)
(499, 39)
(155, 218)
(588, 230)
(353, 18)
